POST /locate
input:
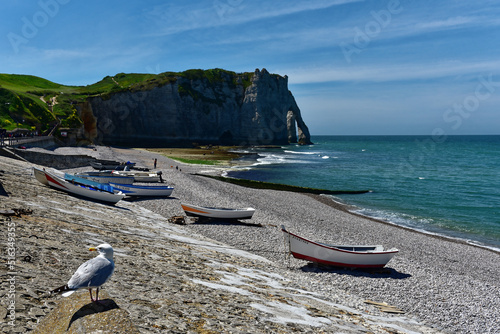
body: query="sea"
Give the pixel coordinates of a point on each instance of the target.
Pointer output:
(449, 186)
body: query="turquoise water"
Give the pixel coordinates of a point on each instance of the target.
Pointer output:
(449, 187)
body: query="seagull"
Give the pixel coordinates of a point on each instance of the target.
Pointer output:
(91, 274)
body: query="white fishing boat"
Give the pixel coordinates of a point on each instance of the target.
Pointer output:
(220, 213)
(101, 186)
(140, 176)
(76, 188)
(106, 177)
(355, 256)
(40, 176)
(137, 190)
(111, 165)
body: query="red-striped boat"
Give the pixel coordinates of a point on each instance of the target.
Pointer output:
(354, 256)
(219, 213)
(76, 188)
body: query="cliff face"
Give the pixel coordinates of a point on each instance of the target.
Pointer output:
(226, 108)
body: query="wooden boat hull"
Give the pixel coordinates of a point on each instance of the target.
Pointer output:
(219, 213)
(135, 190)
(355, 256)
(78, 189)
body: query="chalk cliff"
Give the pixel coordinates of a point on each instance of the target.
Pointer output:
(205, 107)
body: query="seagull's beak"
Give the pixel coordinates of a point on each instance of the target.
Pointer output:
(92, 249)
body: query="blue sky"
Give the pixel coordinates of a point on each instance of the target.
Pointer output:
(355, 67)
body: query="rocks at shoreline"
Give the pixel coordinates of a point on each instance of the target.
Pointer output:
(171, 278)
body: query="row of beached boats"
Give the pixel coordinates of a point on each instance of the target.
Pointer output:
(109, 190)
(113, 188)
(78, 189)
(355, 256)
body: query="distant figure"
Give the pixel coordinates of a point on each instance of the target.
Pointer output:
(155, 163)
(92, 274)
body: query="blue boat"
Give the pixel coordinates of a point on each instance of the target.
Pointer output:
(80, 180)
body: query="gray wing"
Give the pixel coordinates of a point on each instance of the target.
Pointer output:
(91, 274)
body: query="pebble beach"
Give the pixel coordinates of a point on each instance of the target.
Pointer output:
(441, 285)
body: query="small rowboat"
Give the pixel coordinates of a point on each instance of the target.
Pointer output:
(106, 177)
(76, 188)
(108, 164)
(135, 190)
(354, 256)
(40, 176)
(81, 180)
(220, 213)
(140, 176)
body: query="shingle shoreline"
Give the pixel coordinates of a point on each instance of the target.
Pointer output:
(181, 277)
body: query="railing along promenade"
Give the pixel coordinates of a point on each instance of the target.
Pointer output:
(20, 141)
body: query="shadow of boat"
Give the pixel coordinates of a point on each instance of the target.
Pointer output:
(385, 272)
(224, 222)
(147, 198)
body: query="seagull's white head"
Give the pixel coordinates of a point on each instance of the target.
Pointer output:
(105, 250)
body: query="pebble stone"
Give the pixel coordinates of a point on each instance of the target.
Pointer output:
(237, 277)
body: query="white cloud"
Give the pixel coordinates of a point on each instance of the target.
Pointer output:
(451, 22)
(172, 18)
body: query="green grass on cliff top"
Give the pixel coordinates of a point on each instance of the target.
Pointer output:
(25, 83)
(21, 105)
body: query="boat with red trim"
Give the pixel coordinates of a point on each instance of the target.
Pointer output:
(354, 256)
(76, 188)
(219, 213)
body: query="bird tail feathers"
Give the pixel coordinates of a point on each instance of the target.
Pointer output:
(61, 289)
(68, 293)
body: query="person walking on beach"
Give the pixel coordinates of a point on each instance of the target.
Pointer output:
(155, 164)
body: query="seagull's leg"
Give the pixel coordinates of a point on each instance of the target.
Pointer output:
(96, 300)
(92, 299)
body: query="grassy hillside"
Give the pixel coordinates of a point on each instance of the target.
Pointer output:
(35, 103)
